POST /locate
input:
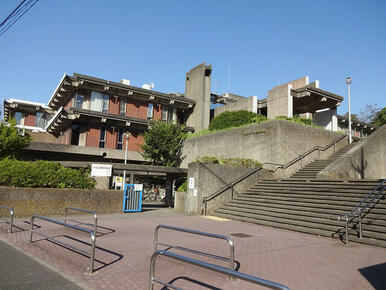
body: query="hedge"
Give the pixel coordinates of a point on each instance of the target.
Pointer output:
(42, 174)
(235, 161)
(235, 119)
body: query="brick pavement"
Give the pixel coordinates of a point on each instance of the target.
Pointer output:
(125, 244)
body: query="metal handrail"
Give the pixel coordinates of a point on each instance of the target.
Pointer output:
(357, 211)
(231, 258)
(205, 199)
(211, 267)
(90, 269)
(11, 215)
(81, 210)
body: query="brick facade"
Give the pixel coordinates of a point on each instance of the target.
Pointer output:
(29, 119)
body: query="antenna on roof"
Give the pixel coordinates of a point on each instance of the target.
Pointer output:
(229, 78)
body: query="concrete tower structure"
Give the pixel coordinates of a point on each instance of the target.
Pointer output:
(197, 88)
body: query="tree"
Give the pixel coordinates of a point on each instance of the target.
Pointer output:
(163, 144)
(353, 116)
(368, 113)
(10, 140)
(380, 118)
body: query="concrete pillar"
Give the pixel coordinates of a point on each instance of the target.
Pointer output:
(169, 190)
(197, 87)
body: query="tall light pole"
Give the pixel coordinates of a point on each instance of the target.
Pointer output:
(348, 82)
(126, 136)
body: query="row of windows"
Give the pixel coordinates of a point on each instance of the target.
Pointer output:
(41, 119)
(100, 102)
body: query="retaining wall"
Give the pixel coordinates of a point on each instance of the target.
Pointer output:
(275, 141)
(208, 178)
(52, 201)
(365, 161)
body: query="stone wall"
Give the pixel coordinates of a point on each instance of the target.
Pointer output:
(367, 160)
(52, 201)
(208, 178)
(276, 141)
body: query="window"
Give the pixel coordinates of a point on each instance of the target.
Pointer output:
(19, 118)
(99, 102)
(102, 137)
(150, 111)
(79, 101)
(169, 114)
(39, 120)
(164, 116)
(105, 105)
(120, 139)
(122, 107)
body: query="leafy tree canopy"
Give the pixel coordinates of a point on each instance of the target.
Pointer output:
(10, 140)
(380, 118)
(163, 143)
(353, 116)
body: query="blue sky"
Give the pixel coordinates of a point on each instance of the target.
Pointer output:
(267, 43)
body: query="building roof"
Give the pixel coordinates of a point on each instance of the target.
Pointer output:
(68, 84)
(342, 119)
(23, 105)
(311, 99)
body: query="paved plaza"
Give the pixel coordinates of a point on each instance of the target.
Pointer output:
(125, 244)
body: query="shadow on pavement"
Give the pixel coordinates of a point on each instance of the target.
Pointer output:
(193, 281)
(376, 275)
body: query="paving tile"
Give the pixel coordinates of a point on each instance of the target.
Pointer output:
(123, 252)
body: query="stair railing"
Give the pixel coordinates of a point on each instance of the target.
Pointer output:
(360, 209)
(208, 198)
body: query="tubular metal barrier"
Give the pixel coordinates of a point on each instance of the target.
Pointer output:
(81, 210)
(211, 267)
(231, 258)
(11, 215)
(90, 269)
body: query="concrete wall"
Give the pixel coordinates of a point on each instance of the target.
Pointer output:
(241, 104)
(52, 201)
(276, 141)
(367, 160)
(208, 178)
(327, 118)
(279, 99)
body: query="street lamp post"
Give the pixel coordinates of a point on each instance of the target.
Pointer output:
(127, 135)
(348, 82)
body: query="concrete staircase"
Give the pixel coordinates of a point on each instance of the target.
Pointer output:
(311, 170)
(310, 207)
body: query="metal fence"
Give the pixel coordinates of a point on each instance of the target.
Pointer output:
(211, 267)
(231, 258)
(81, 210)
(11, 215)
(91, 254)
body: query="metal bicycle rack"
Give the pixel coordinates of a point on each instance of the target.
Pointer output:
(11, 215)
(211, 267)
(91, 254)
(231, 258)
(81, 210)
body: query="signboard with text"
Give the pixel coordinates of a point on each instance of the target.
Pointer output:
(101, 169)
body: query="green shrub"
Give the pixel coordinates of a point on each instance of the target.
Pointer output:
(183, 187)
(236, 162)
(235, 119)
(298, 120)
(42, 174)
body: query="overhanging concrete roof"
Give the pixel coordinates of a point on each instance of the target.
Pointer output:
(311, 99)
(68, 84)
(83, 150)
(130, 167)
